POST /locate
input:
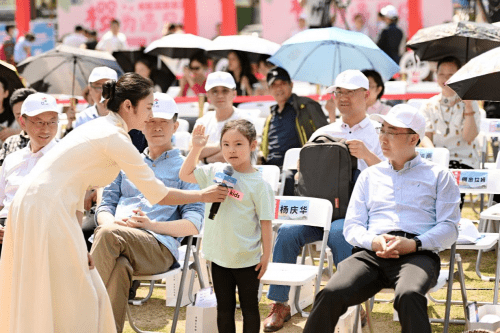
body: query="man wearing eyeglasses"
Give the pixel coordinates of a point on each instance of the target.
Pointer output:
(401, 213)
(351, 93)
(39, 119)
(97, 78)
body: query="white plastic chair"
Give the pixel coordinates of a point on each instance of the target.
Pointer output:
(181, 141)
(183, 268)
(437, 155)
(264, 107)
(319, 214)
(289, 163)
(271, 174)
(259, 125)
(183, 125)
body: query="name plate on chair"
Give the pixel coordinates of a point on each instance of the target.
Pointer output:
(291, 209)
(425, 153)
(494, 126)
(471, 179)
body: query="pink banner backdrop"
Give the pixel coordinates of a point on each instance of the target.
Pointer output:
(141, 20)
(285, 13)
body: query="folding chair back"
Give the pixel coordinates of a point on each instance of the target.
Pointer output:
(301, 211)
(183, 125)
(437, 155)
(289, 163)
(271, 174)
(181, 141)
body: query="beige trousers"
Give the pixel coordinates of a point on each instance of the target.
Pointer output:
(122, 252)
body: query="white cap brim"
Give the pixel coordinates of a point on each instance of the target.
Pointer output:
(348, 86)
(388, 119)
(163, 115)
(220, 84)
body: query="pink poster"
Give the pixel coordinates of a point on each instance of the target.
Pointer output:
(279, 17)
(141, 20)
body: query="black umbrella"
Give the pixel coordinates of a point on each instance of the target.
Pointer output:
(10, 73)
(178, 46)
(463, 40)
(162, 76)
(65, 69)
(479, 78)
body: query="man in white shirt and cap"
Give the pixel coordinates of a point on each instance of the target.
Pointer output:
(401, 213)
(113, 40)
(221, 91)
(39, 119)
(97, 78)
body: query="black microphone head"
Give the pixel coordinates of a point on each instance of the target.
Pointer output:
(228, 170)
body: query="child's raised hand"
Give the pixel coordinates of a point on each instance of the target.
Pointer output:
(198, 137)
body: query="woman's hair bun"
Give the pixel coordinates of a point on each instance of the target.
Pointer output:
(109, 89)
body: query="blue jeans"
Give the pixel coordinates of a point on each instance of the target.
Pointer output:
(292, 237)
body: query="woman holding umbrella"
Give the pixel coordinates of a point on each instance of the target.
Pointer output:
(451, 122)
(47, 284)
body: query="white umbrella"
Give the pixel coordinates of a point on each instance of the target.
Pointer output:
(253, 46)
(178, 45)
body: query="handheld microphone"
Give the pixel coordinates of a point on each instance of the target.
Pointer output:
(228, 170)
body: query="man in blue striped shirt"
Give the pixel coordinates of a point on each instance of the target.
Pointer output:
(401, 213)
(135, 237)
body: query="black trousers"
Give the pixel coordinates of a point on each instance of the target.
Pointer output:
(363, 274)
(225, 281)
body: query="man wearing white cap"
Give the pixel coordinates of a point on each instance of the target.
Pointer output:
(221, 91)
(391, 37)
(135, 237)
(401, 213)
(39, 118)
(97, 77)
(351, 91)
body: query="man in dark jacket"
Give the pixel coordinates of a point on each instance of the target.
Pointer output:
(391, 37)
(291, 122)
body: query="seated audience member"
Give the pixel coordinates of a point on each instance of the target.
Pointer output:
(374, 105)
(290, 124)
(450, 122)
(402, 211)
(239, 67)
(8, 124)
(19, 141)
(351, 91)
(135, 237)
(195, 76)
(39, 118)
(221, 91)
(97, 78)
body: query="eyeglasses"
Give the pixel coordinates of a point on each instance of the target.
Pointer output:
(41, 124)
(194, 68)
(347, 93)
(391, 135)
(98, 88)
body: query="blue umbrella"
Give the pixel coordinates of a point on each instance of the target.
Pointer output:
(319, 55)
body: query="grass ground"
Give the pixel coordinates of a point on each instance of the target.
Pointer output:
(154, 316)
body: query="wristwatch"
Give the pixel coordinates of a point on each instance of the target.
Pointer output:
(419, 243)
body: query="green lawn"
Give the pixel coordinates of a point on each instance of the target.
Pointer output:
(155, 316)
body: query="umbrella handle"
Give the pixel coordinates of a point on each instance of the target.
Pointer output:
(201, 104)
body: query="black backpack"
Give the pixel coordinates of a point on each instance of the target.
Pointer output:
(326, 170)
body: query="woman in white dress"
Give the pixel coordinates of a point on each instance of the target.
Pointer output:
(46, 282)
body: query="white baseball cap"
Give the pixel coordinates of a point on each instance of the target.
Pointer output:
(389, 11)
(351, 79)
(164, 106)
(222, 79)
(100, 73)
(404, 116)
(39, 103)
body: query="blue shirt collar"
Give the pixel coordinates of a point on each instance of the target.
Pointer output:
(166, 154)
(409, 164)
